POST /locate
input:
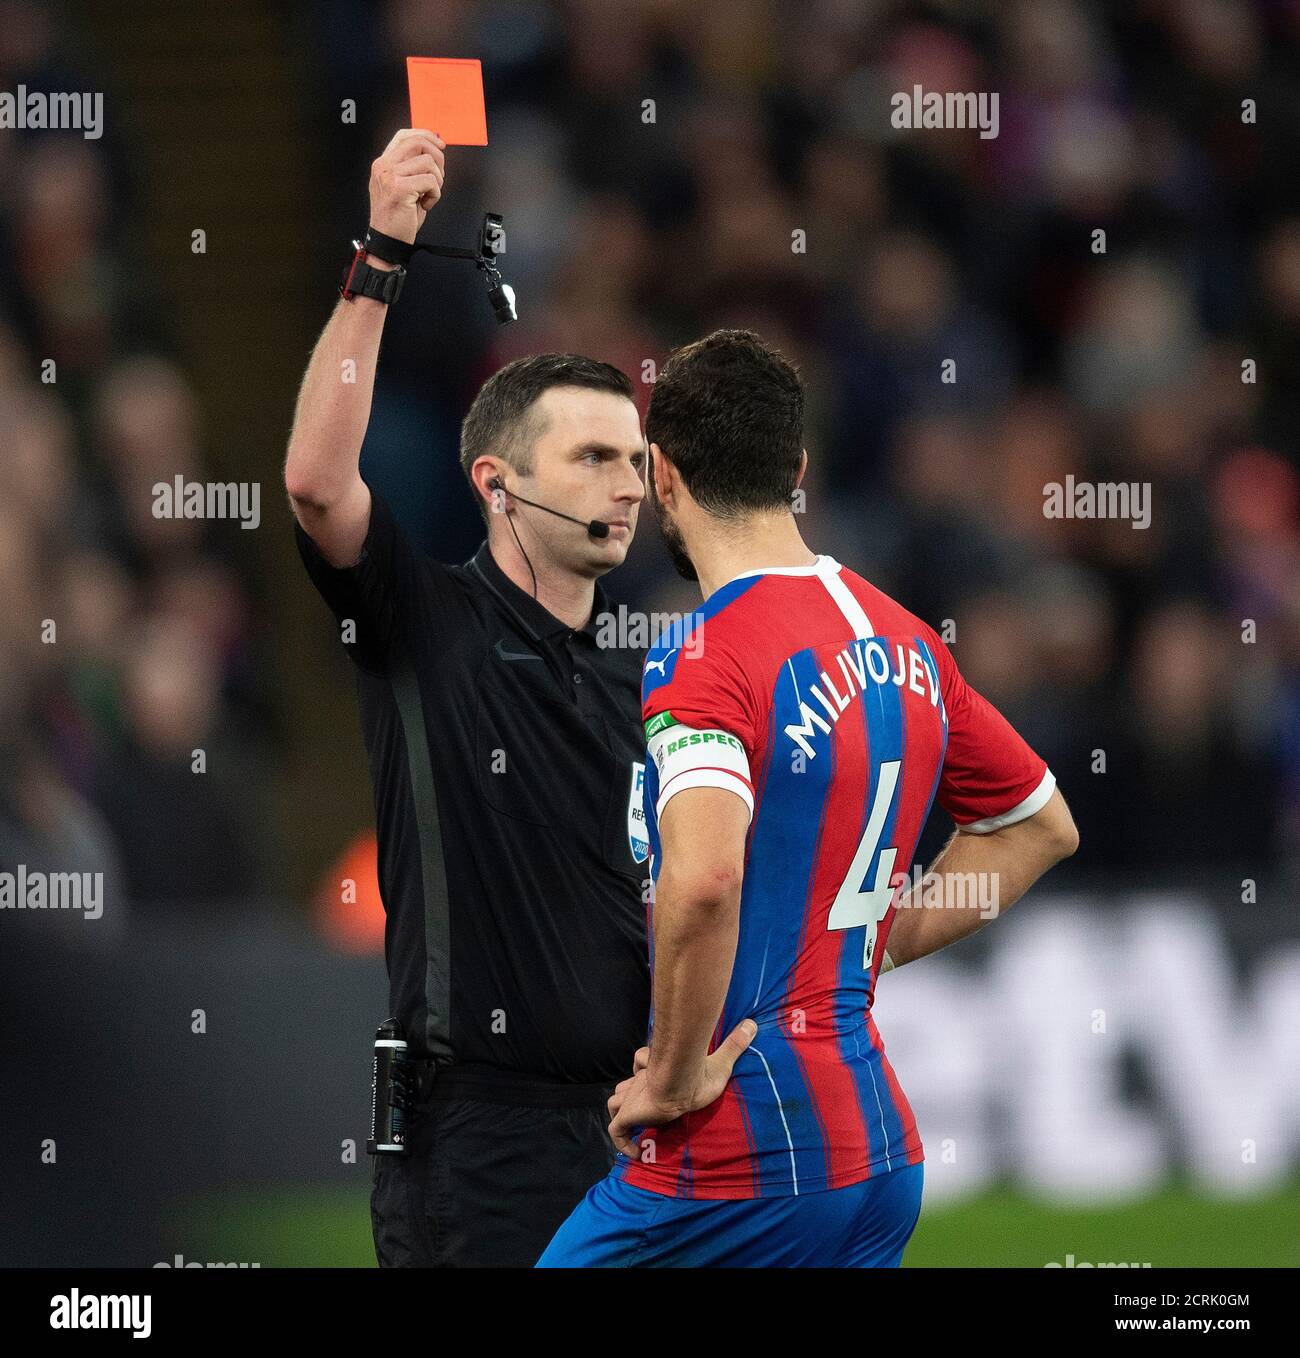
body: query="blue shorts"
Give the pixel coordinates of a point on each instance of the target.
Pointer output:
(865, 1225)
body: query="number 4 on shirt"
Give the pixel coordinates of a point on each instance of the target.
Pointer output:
(852, 905)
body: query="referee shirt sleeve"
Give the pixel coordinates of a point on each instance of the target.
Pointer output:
(373, 600)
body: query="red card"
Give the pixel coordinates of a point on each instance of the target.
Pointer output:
(447, 98)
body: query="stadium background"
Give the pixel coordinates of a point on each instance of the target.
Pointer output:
(1090, 1072)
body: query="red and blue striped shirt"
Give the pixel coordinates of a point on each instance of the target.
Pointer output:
(838, 716)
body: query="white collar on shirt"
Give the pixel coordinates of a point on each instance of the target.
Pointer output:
(824, 565)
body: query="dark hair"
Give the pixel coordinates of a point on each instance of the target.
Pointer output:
(728, 411)
(501, 419)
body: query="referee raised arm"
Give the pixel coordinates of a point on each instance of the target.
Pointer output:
(505, 749)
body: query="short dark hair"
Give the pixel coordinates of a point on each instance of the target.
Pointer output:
(728, 411)
(501, 419)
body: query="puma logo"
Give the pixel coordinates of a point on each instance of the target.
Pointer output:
(659, 664)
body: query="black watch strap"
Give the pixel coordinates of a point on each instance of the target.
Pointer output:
(360, 280)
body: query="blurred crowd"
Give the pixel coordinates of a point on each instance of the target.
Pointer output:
(1099, 274)
(1115, 278)
(130, 720)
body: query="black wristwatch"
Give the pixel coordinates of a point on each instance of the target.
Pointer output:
(360, 280)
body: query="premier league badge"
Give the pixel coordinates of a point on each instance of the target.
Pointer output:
(636, 834)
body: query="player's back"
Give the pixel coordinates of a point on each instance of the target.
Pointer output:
(828, 707)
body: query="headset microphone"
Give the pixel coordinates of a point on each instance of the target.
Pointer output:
(595, 527)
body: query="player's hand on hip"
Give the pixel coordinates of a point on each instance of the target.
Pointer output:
(632, 1105)
(718, 1064)
(635, 1104)
(406, 181)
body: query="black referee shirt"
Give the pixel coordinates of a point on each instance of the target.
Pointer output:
(505, 751)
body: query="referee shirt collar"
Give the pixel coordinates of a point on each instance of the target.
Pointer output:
(537, 620)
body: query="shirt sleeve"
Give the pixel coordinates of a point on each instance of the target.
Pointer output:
(700, 721)
(377, 595)
(991, 777)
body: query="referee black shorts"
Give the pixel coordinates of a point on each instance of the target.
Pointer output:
(495, 1163)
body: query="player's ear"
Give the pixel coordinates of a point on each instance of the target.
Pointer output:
(803, 467)
(661, 473)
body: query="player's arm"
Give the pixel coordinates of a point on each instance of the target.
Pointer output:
(699, 730)
(696, 926)
(1010, 859)
(322, 468)
(702, 830)
(1012, 824)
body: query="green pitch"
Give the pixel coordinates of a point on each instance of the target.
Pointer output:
(1177, 1228)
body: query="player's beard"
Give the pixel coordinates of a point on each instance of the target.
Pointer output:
(671, 534)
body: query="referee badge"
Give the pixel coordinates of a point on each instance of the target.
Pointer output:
(636, 833)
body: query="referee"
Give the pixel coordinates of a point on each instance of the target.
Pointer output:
(505, 750)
